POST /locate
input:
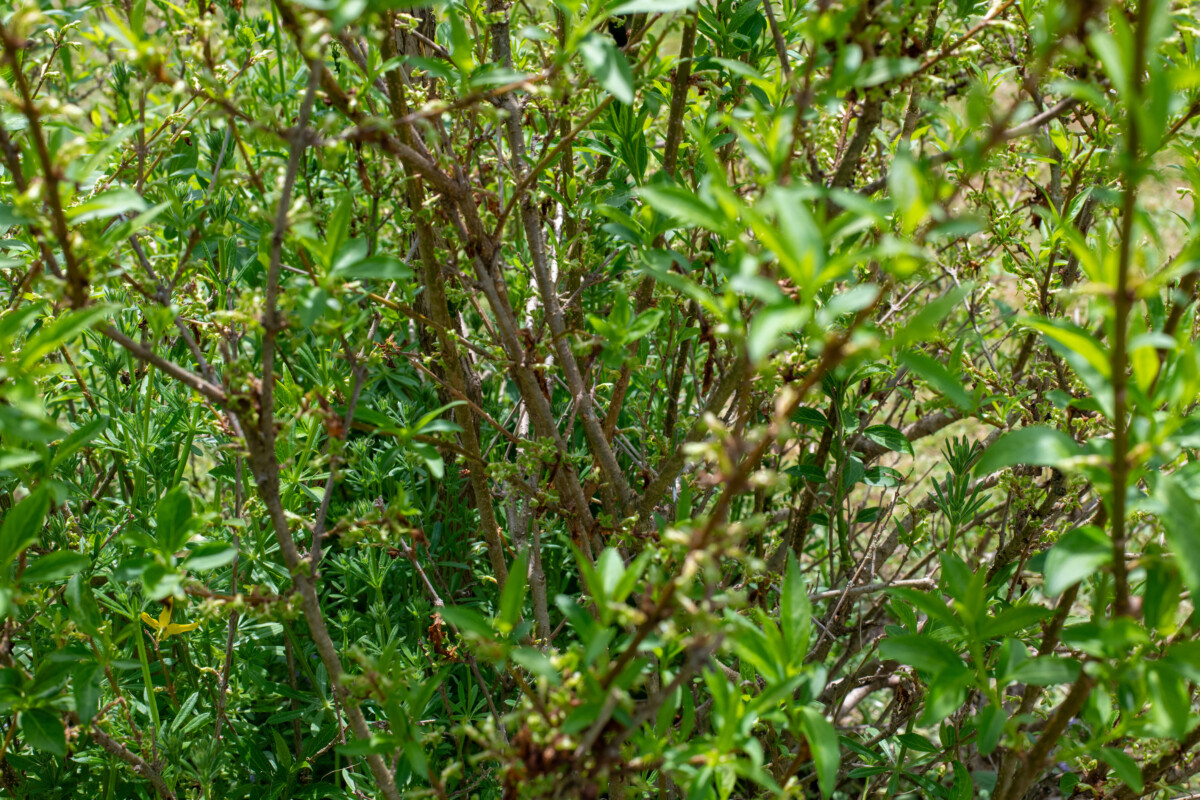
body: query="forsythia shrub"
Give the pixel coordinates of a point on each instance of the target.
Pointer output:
(618, 399)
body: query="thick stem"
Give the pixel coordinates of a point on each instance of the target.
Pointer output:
(457, 366)
(137, 762)
(1122, 302)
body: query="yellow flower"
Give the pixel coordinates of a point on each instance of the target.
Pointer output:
(163, 627)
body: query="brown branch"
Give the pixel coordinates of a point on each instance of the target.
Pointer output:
(143, 353)
(140, 766)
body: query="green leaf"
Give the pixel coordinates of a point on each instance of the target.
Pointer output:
(1077, 555)
(947, 693)
(795, 611)
(376, 744)
(430, 423)
(823, 741)
(1075, 343)
(683, 206)
(963, 787)
(795, 236)
(1046, 671)
(1178, 514)
(12, 458)
(416, 757)
(770, 327)
(1036, 445)
(108, 204)
(1125, 767)
(591, 577)
(55, 566)
(608, 66)
(810, 417)
(536, 662)
(1012, 619)
(432, 458)
(513, 596)
(185, 712)
(939, 377)
(883, 476)
(384, 268)
(82, 607)
(1085, 355)
(312, 306)
(10, 218)
(87, 687)
(924, 323)
(906, 187)
(990, 726)
(1184, 658)
(610, 567)
(158, 580)
(173, 516)
(59, 332)
(43, 730)
(462, 46)
(917, 743)
(807, 472)
(1169, 701)
(467, 620)
(337, 231)
(652, 6)
(1115, 59)
(78, 438)
(629, 578)
(889, 437)
(920, 651)
(643, 324)
(23, 525)
(210, 555)
(882, 70)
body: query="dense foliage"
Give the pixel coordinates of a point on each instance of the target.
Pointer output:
(648, 398)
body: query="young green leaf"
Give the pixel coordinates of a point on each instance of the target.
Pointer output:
(1075, 556)
(23, 525)
(55, 566)
(1125, 767)
(889, 437)
(210, 555)
(823, 742)
(795, 611)
(939, 377)
(963, 787)
(608, 66)
(512, 597)
(174, 519)
(43, 730)
(87, 688)
(1036, 445)
(1178, 513)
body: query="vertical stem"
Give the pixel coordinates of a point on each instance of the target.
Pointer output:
(141, 648)
(458, 366)
(780, 45)
(278, 47)
(290, 653)
(679, 93)
(1122, 301)
(531, 220)
(264, 462)
(537, 584)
